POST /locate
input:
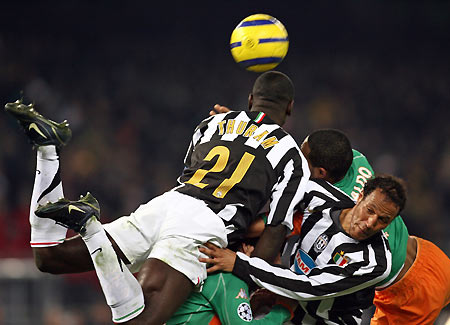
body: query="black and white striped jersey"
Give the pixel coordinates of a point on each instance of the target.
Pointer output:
(237, 162)
(327, 268)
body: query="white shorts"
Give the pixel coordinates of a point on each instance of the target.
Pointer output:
(170, 227)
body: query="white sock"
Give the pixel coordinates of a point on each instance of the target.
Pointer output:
(47, 188)
(122, 291)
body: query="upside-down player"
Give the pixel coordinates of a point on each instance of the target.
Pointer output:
(235, 164)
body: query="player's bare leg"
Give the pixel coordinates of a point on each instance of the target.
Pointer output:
(165, 289)
(72, 256)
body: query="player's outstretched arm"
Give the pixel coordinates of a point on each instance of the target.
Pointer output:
(270, 242)
(218, 109)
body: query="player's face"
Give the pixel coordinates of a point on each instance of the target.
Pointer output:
(371, 214)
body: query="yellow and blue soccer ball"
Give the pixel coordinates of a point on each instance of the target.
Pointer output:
(259, 43)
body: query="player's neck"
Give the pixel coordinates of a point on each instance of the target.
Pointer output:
(272, 113)
(345, 219)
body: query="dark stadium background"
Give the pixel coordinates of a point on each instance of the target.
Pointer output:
(134, 79)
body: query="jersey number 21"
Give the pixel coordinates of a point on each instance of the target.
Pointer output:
(221, 163)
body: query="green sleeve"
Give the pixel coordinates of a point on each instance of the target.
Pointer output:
(397, 235)
(263, 216)
(277, 315)
(231, 301)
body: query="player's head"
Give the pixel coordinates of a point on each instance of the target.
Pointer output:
(392, 187)
(383, 198)
(273, 93)
(329, 154)
(246, 246)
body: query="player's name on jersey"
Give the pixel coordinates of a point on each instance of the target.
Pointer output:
(364, 174)
(253, 131)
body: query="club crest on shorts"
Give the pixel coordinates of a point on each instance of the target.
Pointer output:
(320, 243)
(245, 312)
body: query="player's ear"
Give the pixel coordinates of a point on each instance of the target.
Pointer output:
(250, 100)
(289, 108)
(360, 197)
(322, 173)
(247, 249)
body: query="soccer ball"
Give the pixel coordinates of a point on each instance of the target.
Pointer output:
(259, 43)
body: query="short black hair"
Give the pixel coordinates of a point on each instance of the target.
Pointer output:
(331, 150)
(391, 186)
(273, 86)
(235, 246)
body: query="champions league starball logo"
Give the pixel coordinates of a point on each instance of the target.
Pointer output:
(245, 312)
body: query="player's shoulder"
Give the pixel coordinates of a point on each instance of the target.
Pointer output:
(360, 165)
(318, 185)
(220, 116)
(379, 242)
(213, 120)
(358, 154)
(397, 227)
(359, 159)
(320, 193)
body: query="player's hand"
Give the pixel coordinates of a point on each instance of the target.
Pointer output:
(221, 259)
(218, 109)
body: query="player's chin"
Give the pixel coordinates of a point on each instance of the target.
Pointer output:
(360, 234)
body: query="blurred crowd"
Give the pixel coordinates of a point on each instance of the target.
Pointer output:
(133, 103)
(130, 134)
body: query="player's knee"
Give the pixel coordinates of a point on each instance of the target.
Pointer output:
(150, 287)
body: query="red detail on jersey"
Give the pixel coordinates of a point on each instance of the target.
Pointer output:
(46, 243)
(344, 261)
(261, 117)
(304, 267)
(297, 223)
(215, 321)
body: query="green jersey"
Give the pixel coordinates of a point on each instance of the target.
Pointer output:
(226, 296)
(397, 233)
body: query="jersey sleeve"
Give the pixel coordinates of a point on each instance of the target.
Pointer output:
(199, 130)
(203, 128)
(364, 269)
(290, 187)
